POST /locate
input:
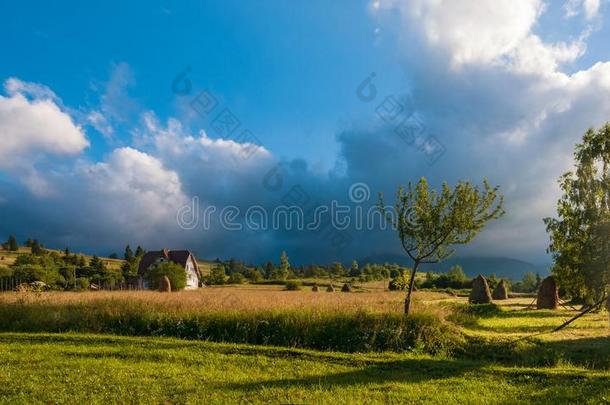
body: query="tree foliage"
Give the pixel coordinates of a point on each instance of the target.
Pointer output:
(174, 272)
(431, 223)
(12, 244)
(580, 235)
(217, 275)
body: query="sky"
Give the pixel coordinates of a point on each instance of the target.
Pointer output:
(176, 125)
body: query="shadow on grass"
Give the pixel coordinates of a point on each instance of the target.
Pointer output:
(398, 371)
(543, 385)
(591, 353)
(155, 346)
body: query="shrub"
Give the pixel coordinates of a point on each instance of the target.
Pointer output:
(399, 283)
(82, 283)
(468, 315)
(293, 285)
(5, 272)
(173, 271)
(236, 278)
(34, 272)
(217, 275)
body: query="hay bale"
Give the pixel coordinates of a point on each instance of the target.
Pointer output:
(500, 292)
(480, 291)
(548, 294)
(315, 288)
(165, 285)
(330, 288)
(346, 288)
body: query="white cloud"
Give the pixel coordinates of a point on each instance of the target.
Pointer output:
(590, 8)
(498, 97)
(100, 123)
(134, 190)
(35, 126)
(173, 143)
(487, 33)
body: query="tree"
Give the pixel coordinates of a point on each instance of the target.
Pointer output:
(128, 255)
(37, 248)
(336, 269)
(284, 269)
(97, 264)
(12, 244)
(579, 236)
(429, 223)
(174, 272)
(217, 275)
(254, 275)
(492, 281)
(126, 270)
(139, 251)
(529, 282)
(236, 278)
(456, 274)
(354, 271)
(269, 270)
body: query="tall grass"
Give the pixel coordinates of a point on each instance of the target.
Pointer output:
(346, 329)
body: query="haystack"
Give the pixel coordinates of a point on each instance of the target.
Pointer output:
(346, 288)
(165, 285)
(314, 288)
(500, 292)
(330, 288)
(480, 291)
(548, 294)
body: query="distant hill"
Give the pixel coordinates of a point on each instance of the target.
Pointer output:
(473, 265)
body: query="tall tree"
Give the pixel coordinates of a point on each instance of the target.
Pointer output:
(128, 255)
(284, 269)
(139, 251)
(269, 270)
(430, 223)
(580, 235)
(37, 248)
(12, 243)
(354, 270)
(97, 264)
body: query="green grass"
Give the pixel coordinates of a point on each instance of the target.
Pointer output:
(495, 360)
(74, 368)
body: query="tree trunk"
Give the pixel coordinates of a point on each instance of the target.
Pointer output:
(411, 285)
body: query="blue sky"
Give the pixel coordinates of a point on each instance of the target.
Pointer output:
(288, 69)
(98, 151)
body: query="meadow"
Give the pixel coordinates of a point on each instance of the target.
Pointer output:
(116, 347)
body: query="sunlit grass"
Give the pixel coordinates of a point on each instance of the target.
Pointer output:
(508, 355)
(243, 299)
(72, 368)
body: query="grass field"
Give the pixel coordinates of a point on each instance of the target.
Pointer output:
(73, 368)
(494, 365)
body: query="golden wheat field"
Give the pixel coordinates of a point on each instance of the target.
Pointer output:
(242, 299)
